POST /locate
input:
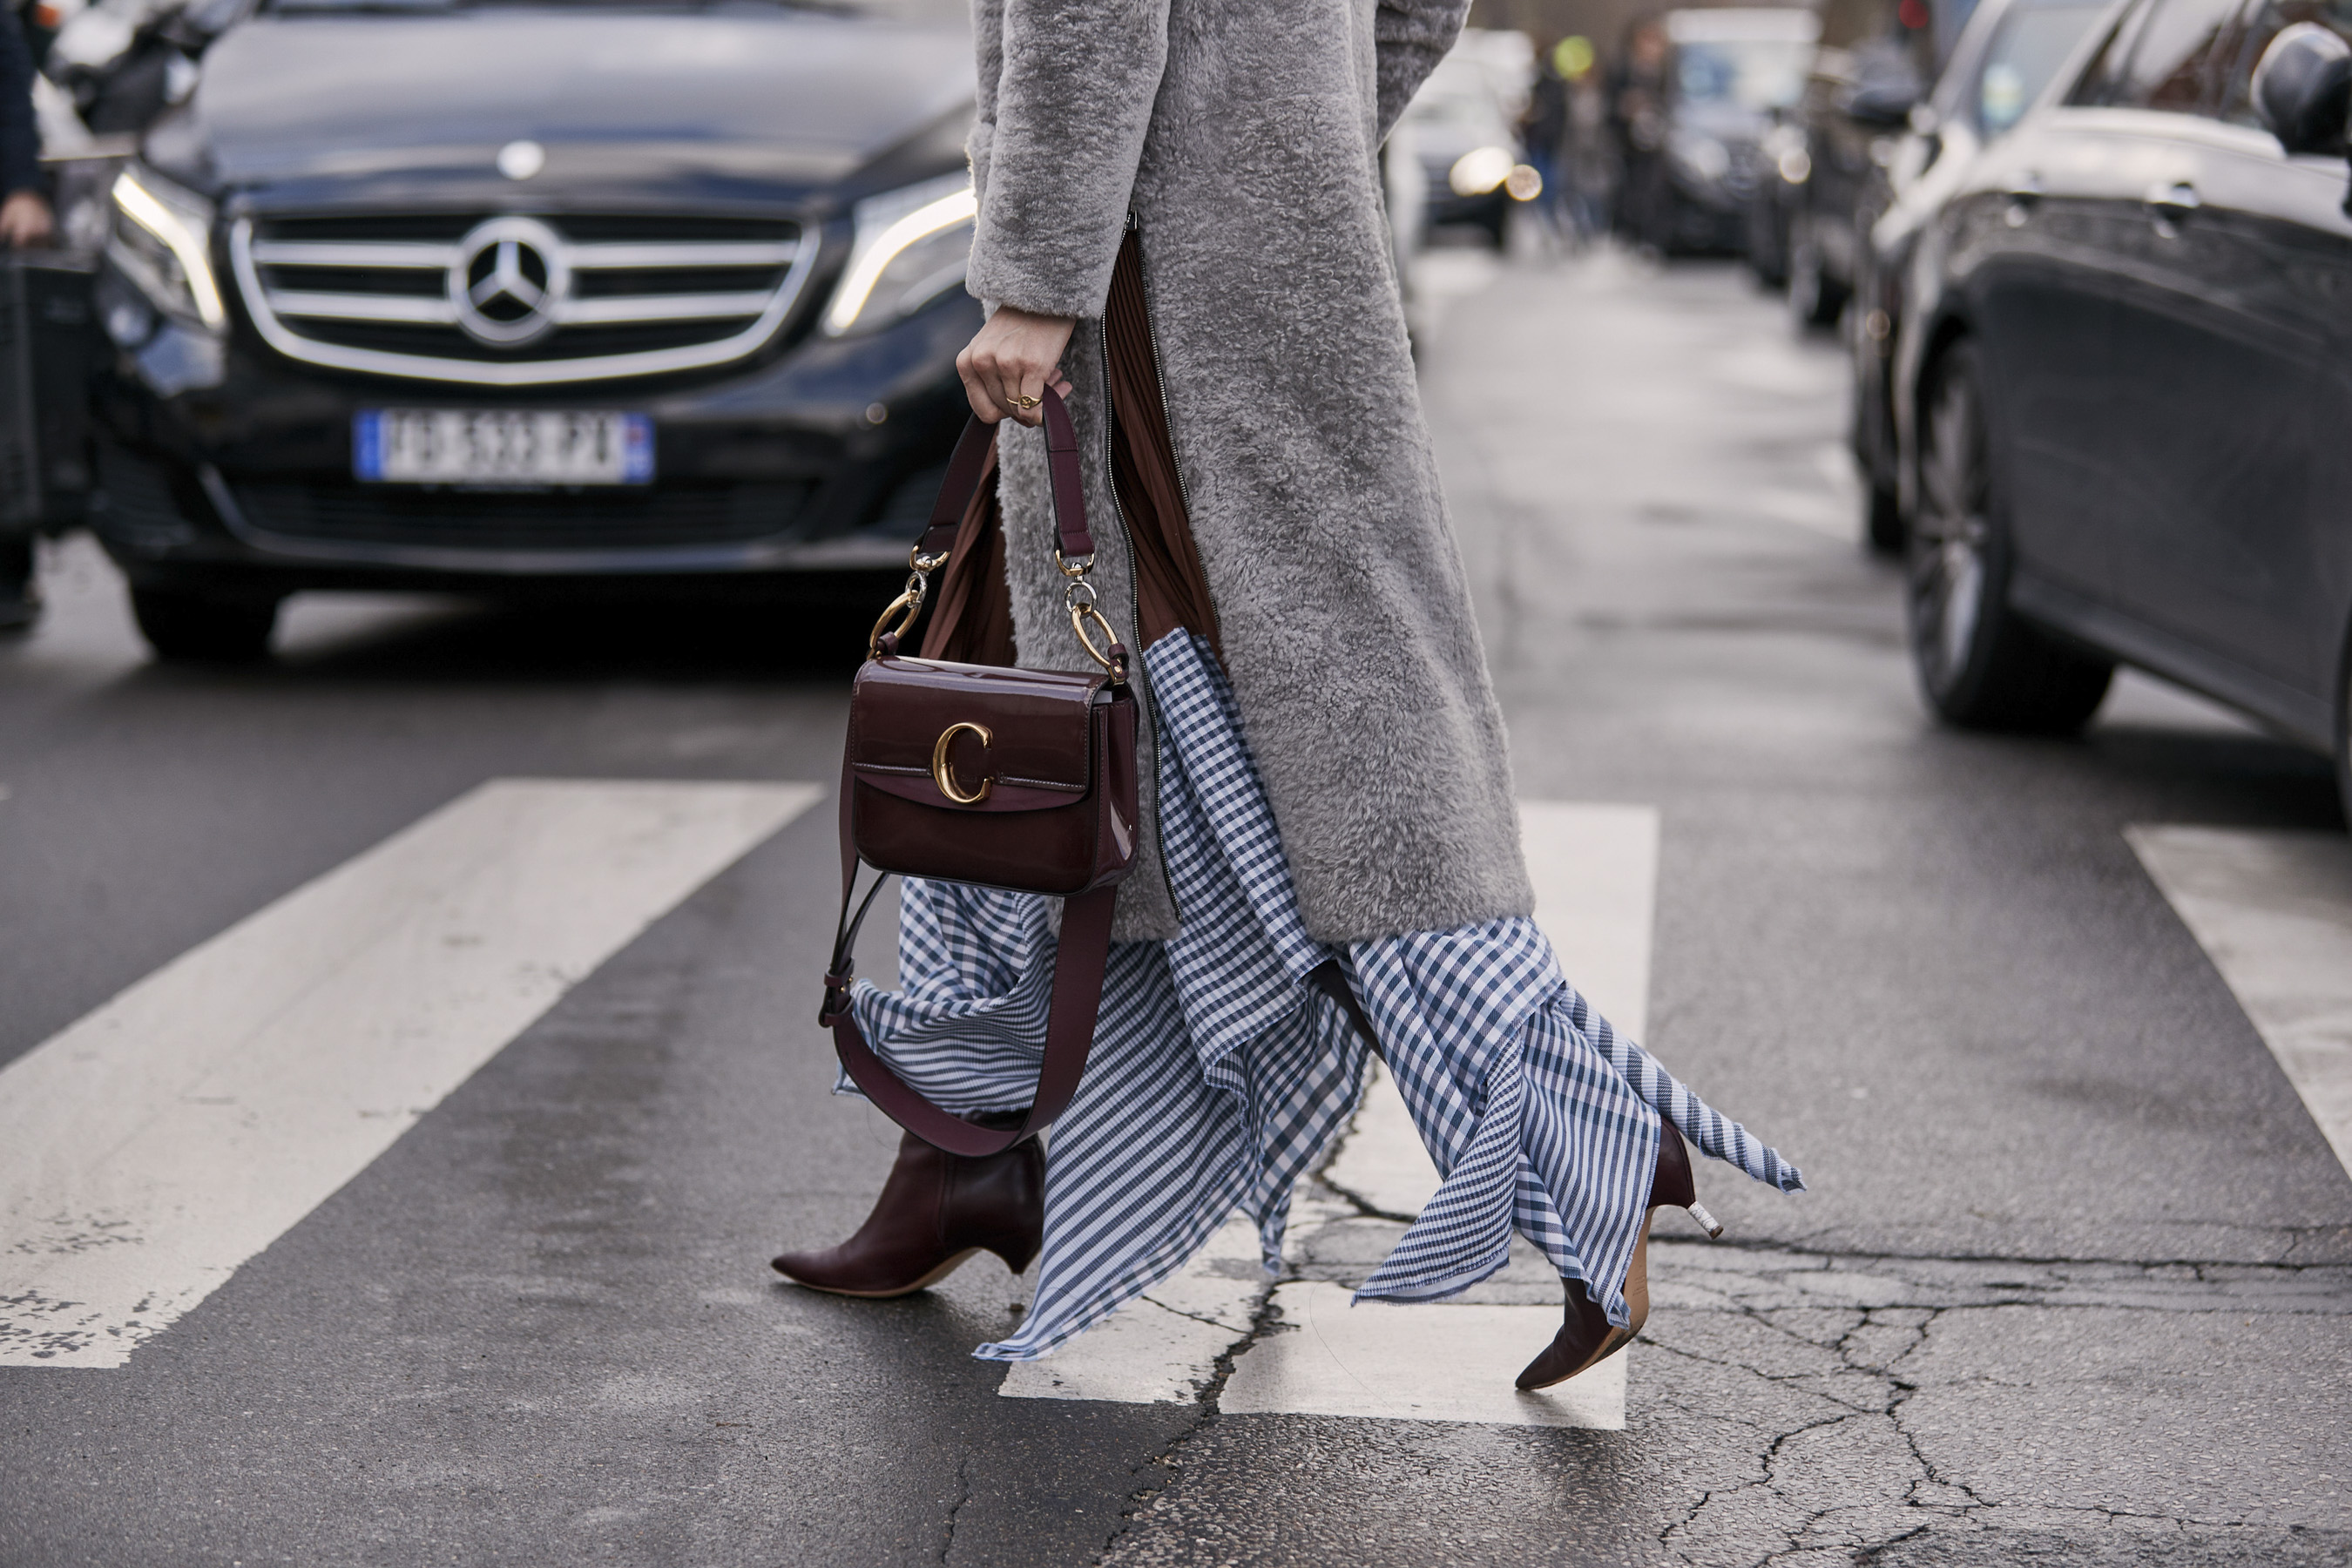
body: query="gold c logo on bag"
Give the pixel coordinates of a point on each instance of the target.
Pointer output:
(944, 776)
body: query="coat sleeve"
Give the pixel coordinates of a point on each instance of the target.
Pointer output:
(1411, 36)
(1055, 151)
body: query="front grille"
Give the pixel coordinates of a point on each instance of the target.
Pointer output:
(675, 517)
(510, 300)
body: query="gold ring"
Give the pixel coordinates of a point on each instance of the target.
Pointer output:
(1025, 402)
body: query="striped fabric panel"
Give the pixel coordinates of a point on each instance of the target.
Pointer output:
(968, 1031)
(1220, 1075)
(1709, 1131)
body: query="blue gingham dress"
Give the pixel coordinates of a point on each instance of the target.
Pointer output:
(1220, 1073)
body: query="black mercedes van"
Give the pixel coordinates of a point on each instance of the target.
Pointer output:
(628, 299)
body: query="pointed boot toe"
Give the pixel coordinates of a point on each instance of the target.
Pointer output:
(1586, 1338)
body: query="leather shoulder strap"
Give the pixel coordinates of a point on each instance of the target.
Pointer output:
(1078, 963)
(968, 467)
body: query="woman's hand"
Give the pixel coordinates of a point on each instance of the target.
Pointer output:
(24, 221)
(1016, 356)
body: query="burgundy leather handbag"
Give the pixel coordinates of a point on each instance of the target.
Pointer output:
(1015, 779)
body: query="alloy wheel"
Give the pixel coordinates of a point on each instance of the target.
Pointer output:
(1981, 664)
(1949, 570)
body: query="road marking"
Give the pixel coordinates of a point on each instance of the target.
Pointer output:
(159, 1142)
(1443, 1362)
(1595, 873)
(2274, 912)
(1162, 1349)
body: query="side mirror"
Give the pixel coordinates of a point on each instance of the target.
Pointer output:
(2302, 88)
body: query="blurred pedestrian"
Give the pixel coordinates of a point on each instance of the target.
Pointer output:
(1566, 136)
(25, 224)
(1179, 223)
(1637, 110)
(1587, 160)
(1543, 136)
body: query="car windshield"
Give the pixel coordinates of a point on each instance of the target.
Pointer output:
(2034, 42)
(1753, 73)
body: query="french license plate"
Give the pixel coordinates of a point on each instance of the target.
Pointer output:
(501, 445)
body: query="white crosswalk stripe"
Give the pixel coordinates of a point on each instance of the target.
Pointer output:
(156, 1144)
(2274, 912)
(1595, 872)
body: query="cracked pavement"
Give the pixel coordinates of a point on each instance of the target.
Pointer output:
(2074, 1283)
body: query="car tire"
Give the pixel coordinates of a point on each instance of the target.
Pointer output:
(1882, 521)
(1815, 299)
(183, 627)
(1980, 665)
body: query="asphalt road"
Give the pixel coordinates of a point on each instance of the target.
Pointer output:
(2074, 1282)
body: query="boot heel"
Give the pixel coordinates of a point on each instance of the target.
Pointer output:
(1707, 1222)
(1018, 1254)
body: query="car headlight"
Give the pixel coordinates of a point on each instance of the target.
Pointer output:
(162, 240)
(1479, 171)
(912, 245)
(1701, 156)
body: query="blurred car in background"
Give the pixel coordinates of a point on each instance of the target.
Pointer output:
(1453, 159)
(500, 299)
(1999, 67)
(1727, 72)
(1874, 59)
(1782, 164)
(2125, 379)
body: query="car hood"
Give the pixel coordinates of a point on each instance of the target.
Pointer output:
(691, 106)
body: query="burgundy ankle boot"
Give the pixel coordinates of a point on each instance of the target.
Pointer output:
(935, 1211)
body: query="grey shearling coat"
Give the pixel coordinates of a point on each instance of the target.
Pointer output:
(1243, 136)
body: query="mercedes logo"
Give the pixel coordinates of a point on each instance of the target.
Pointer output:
(508, 281)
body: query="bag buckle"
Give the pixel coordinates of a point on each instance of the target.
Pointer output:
(1078, 597)
(837, 1000)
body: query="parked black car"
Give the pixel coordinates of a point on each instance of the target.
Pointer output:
(1727, 72)
(502, 298)
(1782, 166)
(1874, 60)
(2125, 382)
(2001, 64)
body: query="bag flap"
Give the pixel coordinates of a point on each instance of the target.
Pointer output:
(1026, 732)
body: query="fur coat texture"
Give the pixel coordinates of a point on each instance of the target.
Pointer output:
(1244, 138)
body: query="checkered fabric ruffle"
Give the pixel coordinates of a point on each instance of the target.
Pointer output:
(1220, 1073)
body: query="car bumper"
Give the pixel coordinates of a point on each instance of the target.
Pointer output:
(804, 466)
(1446, 208)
